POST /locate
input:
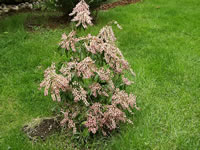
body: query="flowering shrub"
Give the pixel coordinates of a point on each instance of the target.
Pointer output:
(92, 81)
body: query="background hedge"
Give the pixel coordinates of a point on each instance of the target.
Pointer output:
(66, 6)
(13, 1)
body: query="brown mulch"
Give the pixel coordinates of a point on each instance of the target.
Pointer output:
(118, 3)
(42, 128)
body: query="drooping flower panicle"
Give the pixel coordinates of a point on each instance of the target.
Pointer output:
(69, 41)
(82, 14)
(55, 82)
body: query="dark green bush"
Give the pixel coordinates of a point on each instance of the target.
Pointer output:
(14, 1)
(66, 6)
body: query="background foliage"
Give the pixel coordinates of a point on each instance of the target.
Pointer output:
(14, 1)
(66, 6)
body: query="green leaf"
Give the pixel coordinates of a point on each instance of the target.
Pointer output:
(86, 132)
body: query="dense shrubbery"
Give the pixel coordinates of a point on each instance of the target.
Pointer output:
(66, 6)
(14, 1)
(92, 83)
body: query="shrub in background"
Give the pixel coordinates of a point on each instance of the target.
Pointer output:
(66, 6)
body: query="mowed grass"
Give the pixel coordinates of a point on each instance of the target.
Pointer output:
(161, 41)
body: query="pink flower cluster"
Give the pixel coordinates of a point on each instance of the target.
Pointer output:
(79, 93)
(126, 81)
(107, 34)
(102, 43)
(69, 41)
(86, 68)
(68, 119)
(125, 100)
(54, 81)
(97, 88)
(104, 74)
(104, 120)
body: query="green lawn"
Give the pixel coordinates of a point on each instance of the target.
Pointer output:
(161, 41)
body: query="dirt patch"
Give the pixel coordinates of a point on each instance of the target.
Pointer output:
(118, 3)
(42, 127)
(37, 21)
